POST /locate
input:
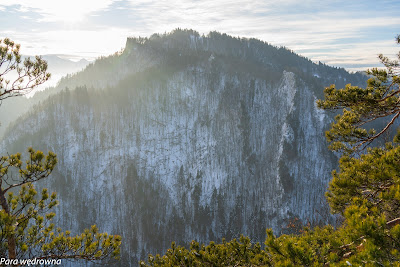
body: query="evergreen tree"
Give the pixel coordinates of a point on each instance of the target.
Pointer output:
(352, 130)
(25, 76)
(26, 231)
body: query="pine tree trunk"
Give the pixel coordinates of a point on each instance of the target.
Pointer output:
(11, 247)
(10, 237)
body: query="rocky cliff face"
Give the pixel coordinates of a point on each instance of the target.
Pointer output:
(186, 137)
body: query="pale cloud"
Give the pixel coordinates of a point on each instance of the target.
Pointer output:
(71, 10)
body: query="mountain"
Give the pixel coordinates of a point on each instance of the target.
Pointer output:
(59, 64)
(182, 137)
(60, 67)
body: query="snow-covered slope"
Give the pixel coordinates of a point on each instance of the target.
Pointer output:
(206, 141)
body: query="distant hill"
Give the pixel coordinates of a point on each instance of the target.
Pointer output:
(59, 67)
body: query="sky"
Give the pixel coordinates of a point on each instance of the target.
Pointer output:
(347, 34)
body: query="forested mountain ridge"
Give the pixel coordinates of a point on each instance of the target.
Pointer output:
(183, 136)
(142, 53)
